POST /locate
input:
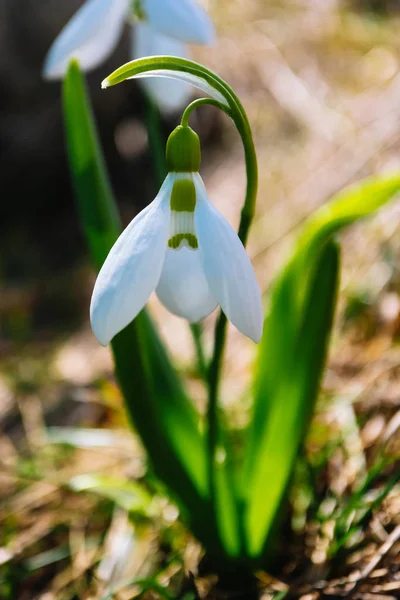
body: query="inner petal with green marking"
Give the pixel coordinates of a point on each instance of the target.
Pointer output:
(183, 203)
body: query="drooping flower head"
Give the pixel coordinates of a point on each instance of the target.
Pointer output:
(161, 27)
(183, 248)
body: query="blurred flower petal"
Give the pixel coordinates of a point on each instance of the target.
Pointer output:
(90, 36)
(185, 20)
(169, 95)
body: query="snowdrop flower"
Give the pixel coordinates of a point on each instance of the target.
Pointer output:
(163, 27)
(184, 249)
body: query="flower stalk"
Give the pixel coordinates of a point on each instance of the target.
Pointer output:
(214, 370)
(224, 98)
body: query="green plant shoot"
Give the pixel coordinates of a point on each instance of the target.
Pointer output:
(237, 523)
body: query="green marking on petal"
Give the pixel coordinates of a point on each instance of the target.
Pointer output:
(177, 240)
(183, 197)
(138, 10)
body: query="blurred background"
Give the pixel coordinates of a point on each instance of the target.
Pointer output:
(320, 82)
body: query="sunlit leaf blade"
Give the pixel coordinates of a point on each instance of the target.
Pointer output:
(129, 495)
(97, 209)
(172, 67)
(171, 438)
(348, 206)
(226, 500)
(292, 405)
(156, 402)
(169, 418)
(283, 403)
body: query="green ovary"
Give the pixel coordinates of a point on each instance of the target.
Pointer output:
(183, 152)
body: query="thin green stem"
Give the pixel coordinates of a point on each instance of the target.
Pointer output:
(212, 408)
(197, 331)
(200, 102)
(238, 115)
(220, 330)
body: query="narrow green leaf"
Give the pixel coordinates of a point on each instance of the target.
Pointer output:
(159, 409)
(348, 206)
(129, 495)
(226, 501)
(291, 357)
(173, 67)
(292, 405)
(96, 205)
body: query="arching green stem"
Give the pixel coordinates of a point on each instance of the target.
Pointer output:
(200, 102)
(214, 371)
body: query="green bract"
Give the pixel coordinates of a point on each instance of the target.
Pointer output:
(183, 151)
(233, 505)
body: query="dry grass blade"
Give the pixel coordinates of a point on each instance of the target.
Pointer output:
(375, 560)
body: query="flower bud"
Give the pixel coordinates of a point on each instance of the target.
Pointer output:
(183, 150)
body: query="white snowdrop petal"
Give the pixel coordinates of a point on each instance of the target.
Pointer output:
(183, 288)
(227, 267)
(90, 36)
(132, 269)
(185, 20)
(169, 95)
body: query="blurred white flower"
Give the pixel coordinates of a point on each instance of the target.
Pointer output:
(184, 249)
(161, 27)
(169, 95)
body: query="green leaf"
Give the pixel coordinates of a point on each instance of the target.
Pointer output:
(97, 209)
(158, 407)
(129, 495)
(291, 406)
(173, 67)
(292, 352)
